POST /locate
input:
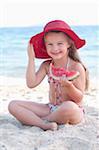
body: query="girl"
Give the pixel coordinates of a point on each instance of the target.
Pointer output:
(59, 43)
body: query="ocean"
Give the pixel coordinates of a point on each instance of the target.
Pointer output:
(13, 49)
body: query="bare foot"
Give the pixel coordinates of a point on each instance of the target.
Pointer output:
(53, 126)
(50, 125)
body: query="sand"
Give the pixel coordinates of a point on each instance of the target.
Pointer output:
(15, 136)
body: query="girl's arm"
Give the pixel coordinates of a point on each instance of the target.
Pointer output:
(74, 93)
(34, 78)
(75, 89)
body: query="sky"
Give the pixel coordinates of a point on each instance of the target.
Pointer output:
(38, 12)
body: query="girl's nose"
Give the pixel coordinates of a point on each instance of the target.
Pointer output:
(55, 47)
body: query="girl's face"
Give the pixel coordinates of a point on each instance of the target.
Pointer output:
(56, 44)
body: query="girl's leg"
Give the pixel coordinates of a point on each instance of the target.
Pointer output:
(68, 112)
(30, 113)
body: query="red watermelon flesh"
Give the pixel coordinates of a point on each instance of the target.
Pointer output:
(59, 72)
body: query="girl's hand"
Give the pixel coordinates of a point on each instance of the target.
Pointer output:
(30, 51)
(65, 82)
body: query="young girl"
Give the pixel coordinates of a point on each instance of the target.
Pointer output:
(59, 43)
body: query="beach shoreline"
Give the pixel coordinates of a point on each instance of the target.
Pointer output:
(15, 136)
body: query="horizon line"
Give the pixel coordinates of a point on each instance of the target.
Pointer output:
(43, 25)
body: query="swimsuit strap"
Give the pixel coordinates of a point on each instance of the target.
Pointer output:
(68, 63)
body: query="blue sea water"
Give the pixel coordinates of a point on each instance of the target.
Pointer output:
(13, 49)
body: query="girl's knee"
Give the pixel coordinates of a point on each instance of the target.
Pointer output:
(71, 111)
(69, 106)
(76, 118)
(12, 105)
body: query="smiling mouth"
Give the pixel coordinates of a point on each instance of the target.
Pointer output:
(55, 53)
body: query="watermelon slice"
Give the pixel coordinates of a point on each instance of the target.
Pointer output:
(56, 73)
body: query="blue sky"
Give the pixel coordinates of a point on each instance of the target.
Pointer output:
(39, 12)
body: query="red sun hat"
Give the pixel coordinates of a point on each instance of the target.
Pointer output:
(57, 25)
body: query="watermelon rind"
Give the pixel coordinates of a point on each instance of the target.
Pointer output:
(68, 78)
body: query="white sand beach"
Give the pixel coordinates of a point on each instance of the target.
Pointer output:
(15, 136)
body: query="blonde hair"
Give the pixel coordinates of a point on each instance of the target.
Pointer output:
(73, 54)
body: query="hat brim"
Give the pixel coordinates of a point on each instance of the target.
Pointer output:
(39, 46)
